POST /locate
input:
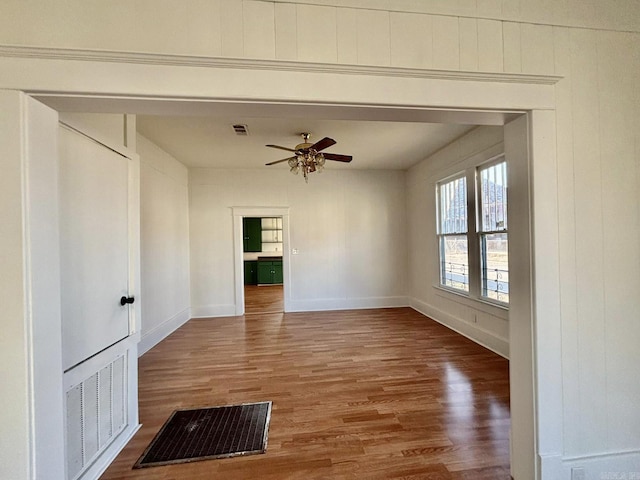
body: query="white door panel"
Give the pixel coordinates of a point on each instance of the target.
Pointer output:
(94, 244)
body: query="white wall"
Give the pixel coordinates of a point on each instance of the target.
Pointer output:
(486, 324)
(348, 227)
(599, 206)
(108, 127)
(164, 239)
(593, 44)
(354, 31)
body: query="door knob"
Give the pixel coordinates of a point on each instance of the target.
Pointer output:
(125, 300)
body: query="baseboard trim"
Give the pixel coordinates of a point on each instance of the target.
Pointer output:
(478, 335)
(206, 311)
(550, 466)
(162, 331)
(327, 304)
(103, 461)
(605, 465)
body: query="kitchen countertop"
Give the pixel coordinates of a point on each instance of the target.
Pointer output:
(257, 255)
(269, 257)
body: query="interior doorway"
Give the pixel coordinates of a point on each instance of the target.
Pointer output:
(263, 271)
(262, 268)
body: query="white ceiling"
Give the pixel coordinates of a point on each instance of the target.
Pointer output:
(202, 141)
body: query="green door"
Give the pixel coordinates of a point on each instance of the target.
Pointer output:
(252, 234)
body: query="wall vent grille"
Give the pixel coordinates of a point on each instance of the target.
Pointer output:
(96, 414)
(240, 129)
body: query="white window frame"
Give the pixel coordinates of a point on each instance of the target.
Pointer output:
(457, 233)
(474, 231)
(481, 233)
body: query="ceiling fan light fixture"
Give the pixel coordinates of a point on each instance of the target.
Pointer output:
(307, 156)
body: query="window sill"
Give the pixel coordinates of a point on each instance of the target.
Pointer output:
(486, 306)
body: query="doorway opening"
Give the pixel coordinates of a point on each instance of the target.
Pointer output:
(263, 273)
(262, 261)
(535, 130)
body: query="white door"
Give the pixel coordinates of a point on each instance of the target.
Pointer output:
(94, 246)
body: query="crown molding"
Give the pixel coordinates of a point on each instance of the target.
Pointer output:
(69, 54)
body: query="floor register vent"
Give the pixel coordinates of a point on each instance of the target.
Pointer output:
(96, 414)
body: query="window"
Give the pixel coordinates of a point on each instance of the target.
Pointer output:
(494, 240)
(473, 248)
(454, 247)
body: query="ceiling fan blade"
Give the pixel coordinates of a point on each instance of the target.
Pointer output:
(279, 161)
(337, 157)
(326, 142)
(281, 148)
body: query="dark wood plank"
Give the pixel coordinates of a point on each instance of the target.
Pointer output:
(366, 394)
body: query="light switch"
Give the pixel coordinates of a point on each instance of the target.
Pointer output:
(294, 251)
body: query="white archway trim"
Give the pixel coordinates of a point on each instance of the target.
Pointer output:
(50, 53)
(267, 82)
(121, 80)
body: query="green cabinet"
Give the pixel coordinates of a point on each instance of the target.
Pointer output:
(264, 272)
(251, 272)
(252, 234)
(277, 272)
(269, 271)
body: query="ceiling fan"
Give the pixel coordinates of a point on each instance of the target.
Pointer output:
(308, 156)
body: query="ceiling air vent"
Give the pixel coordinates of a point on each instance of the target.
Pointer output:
(240, 129)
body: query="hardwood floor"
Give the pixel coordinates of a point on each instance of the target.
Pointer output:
(263, 299)
(366, 394)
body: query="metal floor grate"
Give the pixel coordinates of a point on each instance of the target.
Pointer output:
(206, 433)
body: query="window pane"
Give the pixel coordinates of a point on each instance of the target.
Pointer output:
(495, 266)
(454, 267)
(493, 197)
(453, 206)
